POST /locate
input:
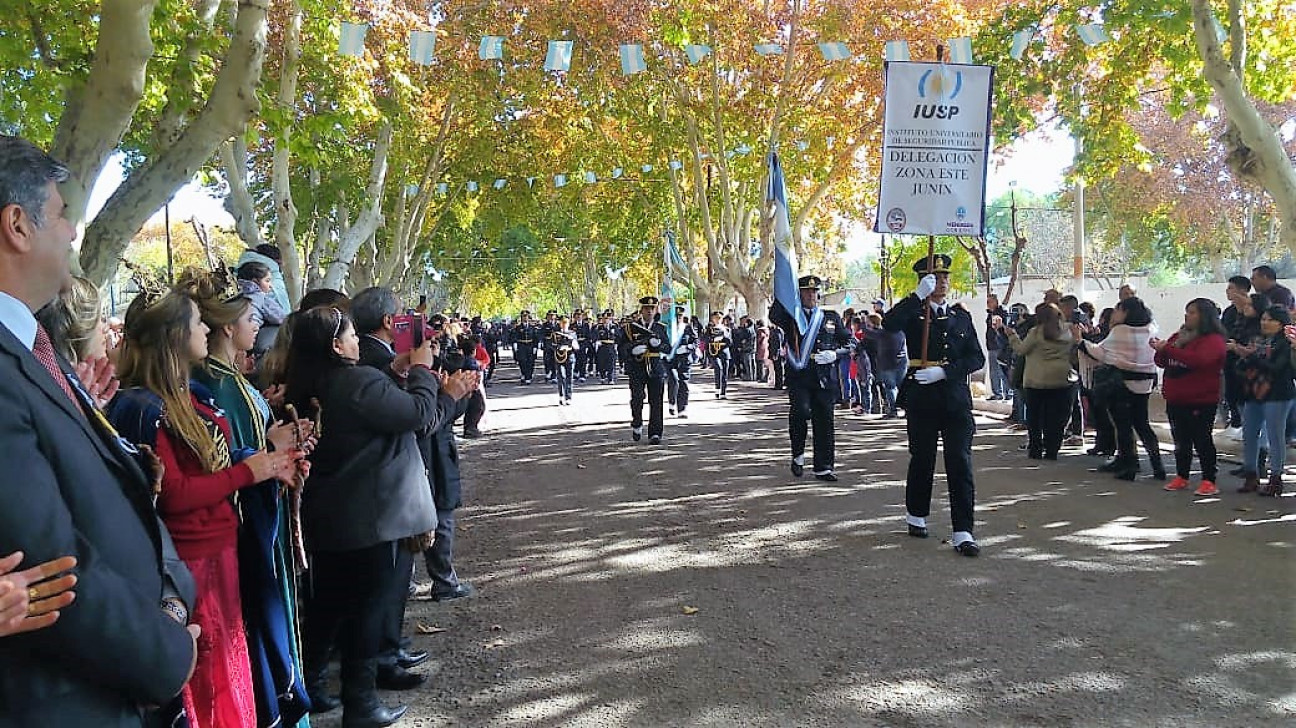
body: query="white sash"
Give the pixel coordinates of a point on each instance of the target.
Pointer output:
(800, 359)
(678, 331)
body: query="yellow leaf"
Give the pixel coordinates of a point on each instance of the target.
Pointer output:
(691, 610)
(422, 628)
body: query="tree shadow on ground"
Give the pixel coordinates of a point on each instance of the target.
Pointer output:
(699, 583)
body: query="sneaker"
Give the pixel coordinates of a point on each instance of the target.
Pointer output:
(1179, 484)
(1206, 488)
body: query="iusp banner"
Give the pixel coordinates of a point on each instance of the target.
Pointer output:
(936, 139)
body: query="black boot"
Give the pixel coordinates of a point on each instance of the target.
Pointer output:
(1158, 467)
(360, 706)
(1126, 468)
(317, 688)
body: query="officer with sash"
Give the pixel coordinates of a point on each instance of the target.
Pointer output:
(643, 342)
(937, 400)
(605, 356)
(679, 362)
(584, 329)
(719, 351)
(525, 337)
(812, 376)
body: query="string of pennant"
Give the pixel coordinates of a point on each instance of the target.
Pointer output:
(558, 56)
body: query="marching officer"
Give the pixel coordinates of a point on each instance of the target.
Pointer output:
(584, 329)
(547, 328)
(679, 363)
(605, 356)
(812, 376)
(642, 342)
(719, 346)
(525, 337)
(937, 400)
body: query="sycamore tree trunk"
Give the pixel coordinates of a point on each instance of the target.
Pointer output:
(232, 102)
(98, 113)
(394, 262)
(1257, 151)
(238, 203)
(370, 216)
(285, 229)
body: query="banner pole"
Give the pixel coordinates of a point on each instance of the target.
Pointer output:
(931, 254)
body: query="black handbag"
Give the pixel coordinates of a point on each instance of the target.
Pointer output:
(1107, 382)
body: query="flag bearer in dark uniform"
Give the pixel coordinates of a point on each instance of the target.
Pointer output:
(642, 342)
(812, 376)
(605, 356)
(679, 363)
(719, 351)
(584, 350)
(776, 340)
(525, 337)
(547, 328)
(937, 401)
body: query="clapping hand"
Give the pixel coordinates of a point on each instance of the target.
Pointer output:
(99, 379)
(30, 599)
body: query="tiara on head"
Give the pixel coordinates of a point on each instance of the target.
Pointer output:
(150, 284)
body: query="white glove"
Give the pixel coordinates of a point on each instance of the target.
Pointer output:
(929, 375)
(638, 350)
(925, 286)
(654, 342)
(825, 357)
(683, 350)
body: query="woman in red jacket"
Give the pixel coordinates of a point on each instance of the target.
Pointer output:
(1193, 360)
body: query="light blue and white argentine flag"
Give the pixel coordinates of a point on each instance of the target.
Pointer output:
(834, 51)
(590, 178)
(560, 180)
(472, 186)
(632, 60)
(422, 47)
(785, 274)
(559, 56)
(1021, 39)
(1092, 34)
(696, 53)
(492, 48)
(499, 184)
(351, 39)
(769, 49)
(646, 168)
(897, 50)
(960, 50)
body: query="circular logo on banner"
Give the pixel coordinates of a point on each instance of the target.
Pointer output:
(895, 219)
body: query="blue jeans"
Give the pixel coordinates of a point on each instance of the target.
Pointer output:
(1271, 419)
(889, 379)
(1019, 406)
(998, 376)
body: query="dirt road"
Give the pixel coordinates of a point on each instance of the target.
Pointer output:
(698, 584)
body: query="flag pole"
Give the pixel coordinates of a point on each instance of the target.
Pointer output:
(931, 255)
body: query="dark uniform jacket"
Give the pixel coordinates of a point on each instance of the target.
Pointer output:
(633, 333)
(688, 340)
(832, 336)
(952, 344)
(718, 341)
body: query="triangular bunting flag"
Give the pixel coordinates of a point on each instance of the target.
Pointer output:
(676, 165)
(472, 186)
(352, 38)
(499, 184)
(530, 182)
(646, 168)
(560, 180)
(632, 60)
(616, 173)
(696, 53)
(559, 56)
(960, 50)
(897, 50)
(834, 51)
(492, 48)
(769, 49)
(422, 47)
(1092, 34)
(411, 190)
(442, 189)
(590, 178)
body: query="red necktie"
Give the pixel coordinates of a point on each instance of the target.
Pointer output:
(44, 351)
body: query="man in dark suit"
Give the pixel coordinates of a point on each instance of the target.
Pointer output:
(122, 645)
(373, 311)
(813, 378)
(642, 342)
(937, 400)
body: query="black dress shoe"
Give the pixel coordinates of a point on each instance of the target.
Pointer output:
(797, 468)
(395, 677)
(1110, 466)
(828, 477)
(1099, 452)
(917, 531)
(969, 549)
(411, 658)
(654, 440)
(464, 589)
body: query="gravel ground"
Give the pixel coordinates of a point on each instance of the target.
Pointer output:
(699, 584)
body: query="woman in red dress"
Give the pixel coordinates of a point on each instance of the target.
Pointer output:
(159, 407)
